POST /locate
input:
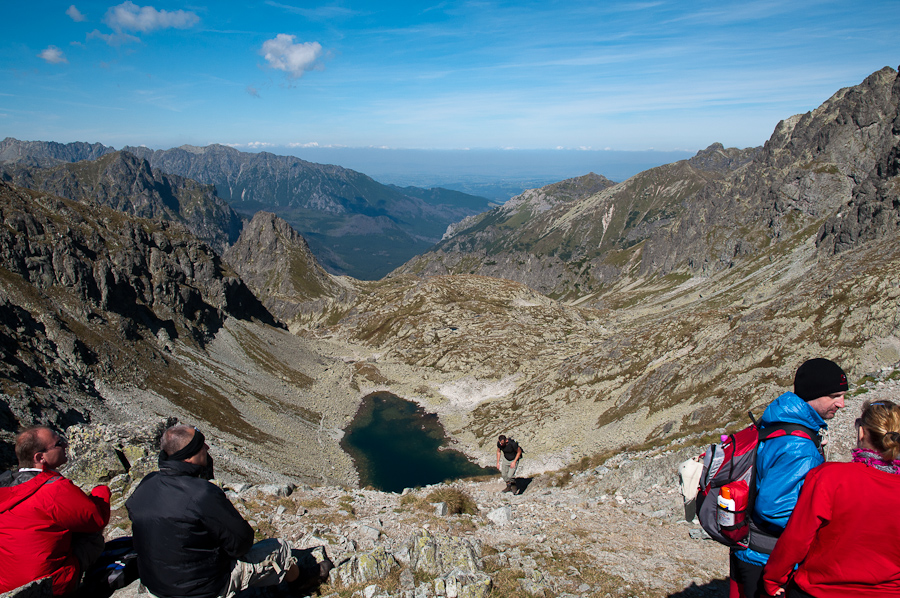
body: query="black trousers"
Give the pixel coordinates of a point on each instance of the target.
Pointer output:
(794, 592)
(747, 576)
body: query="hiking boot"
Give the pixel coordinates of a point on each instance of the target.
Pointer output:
(325, 568)
(314, 569)
(509, 487)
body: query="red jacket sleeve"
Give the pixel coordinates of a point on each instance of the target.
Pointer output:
(813, 510)
(75, 510)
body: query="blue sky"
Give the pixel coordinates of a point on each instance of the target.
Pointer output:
(488, 74)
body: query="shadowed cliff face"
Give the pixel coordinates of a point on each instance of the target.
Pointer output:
(275, 262)
(128, 184)
(88, 293)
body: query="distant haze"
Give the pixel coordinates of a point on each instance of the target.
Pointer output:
(496, 174)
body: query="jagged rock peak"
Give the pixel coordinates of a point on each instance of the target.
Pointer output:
(275, 261)
(716, 158)
(44, 154)
(127, 183)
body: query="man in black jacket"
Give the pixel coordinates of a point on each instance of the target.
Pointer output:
(190, 540)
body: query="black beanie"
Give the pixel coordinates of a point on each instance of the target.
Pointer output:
(819, 377)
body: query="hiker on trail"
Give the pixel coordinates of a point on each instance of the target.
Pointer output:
(190, 539)
(508, 455)
(48, 526)
(844, 530)
(782, 463)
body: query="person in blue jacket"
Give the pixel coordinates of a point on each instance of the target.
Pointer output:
(782, 464)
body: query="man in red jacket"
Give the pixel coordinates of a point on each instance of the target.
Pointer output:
(48, 526)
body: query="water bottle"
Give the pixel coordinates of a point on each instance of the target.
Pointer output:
(725, 512)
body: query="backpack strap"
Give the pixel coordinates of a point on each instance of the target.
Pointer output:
(778, 429)
(761, 539)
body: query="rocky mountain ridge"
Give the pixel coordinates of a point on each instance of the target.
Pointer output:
(354, 224)
(833, 169)
(109, 317)
(568, 239)
(126, 183)
(277, 263)
(821, 166)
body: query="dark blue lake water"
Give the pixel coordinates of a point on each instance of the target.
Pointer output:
(395, 445)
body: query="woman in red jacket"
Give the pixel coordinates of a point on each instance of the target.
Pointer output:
(844, 532)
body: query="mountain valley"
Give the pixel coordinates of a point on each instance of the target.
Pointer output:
(582, 318)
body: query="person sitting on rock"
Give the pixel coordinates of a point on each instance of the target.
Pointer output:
(48, 526)
(192, 542)
(508, 455)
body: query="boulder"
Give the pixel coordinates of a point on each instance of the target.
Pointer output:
(501, 516)
(363, 567)
(463, 584)
(437, 554)
(41, 588)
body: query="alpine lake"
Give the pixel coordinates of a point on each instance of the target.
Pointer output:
(396, 444)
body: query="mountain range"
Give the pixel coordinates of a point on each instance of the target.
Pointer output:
(354, 225)
(581, 317)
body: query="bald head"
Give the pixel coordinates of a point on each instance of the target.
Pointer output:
(40, 447)
(178, 438)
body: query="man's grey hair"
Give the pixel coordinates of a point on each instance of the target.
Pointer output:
(176, 438)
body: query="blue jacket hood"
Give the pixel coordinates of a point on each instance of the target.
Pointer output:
(781, 466)
(791, 409)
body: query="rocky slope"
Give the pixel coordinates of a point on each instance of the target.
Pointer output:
(607, 527)
(108, 317)
(277, 264)
(571, 238)
(128, 184)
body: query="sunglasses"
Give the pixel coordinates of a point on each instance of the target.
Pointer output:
(60, 443)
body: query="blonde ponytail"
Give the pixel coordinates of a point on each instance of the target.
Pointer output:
(881, 419)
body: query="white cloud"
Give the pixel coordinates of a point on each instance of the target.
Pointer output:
(293, 58)
(128, 16)
(252, 144)
(53, 55)
(75, 14)
(113, 39)
(297, 144)
(253, 91)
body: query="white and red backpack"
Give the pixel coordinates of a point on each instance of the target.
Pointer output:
(727, 488)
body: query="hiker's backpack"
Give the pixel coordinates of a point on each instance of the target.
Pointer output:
(728, 483)
(114, 569)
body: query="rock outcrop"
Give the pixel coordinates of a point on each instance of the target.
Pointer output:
(128, 184)
(91, 294)
(275, 262)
